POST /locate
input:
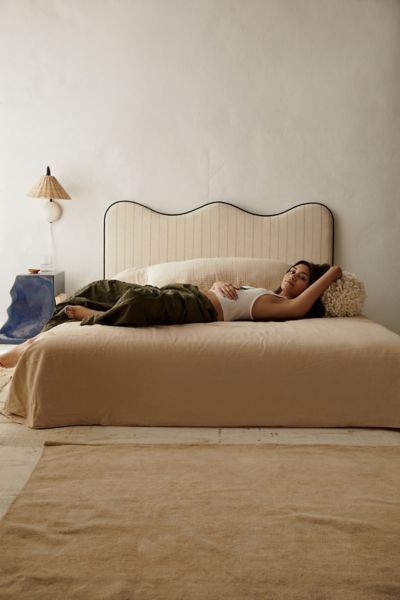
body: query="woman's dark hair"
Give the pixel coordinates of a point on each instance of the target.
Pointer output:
(316, 271)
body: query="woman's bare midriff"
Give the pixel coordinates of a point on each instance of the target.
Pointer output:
(215, 302)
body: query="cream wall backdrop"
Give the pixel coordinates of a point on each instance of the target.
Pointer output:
(175, 103)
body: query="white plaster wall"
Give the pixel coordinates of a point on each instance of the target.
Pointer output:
(174, 103)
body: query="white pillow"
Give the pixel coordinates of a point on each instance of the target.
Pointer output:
(132, 275)
(203, 272)
(345, 297)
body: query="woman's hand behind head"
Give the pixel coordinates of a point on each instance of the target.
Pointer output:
(336, 272)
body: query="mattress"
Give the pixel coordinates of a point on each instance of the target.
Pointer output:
(307, 373)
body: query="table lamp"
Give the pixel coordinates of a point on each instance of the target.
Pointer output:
(49, 187)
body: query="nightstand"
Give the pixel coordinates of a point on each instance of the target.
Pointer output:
(32, 305)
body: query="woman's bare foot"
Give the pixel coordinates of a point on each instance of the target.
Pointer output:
(77, 313)
(10, 359)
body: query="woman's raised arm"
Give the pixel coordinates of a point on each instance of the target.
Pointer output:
(297, 308)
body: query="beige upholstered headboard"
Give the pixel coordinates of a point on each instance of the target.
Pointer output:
(137, 236)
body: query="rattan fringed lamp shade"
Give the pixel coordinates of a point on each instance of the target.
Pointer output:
(49, 187)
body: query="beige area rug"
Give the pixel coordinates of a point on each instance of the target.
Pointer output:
(5, 377)
(237, 522)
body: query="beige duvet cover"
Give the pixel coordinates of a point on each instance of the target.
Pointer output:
(307, 373)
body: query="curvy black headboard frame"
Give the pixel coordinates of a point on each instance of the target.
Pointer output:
(136, 235)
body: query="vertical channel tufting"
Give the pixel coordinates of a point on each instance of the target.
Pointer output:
(163, 239)
(268, 236)
(223, 231)
(274, 236)
(117, 227)
(309, 234)
(170, 239)
(290, 237)
(134, 235)
(180, 239)
(316, 222)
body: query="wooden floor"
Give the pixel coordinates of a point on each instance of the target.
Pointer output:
(20, 447)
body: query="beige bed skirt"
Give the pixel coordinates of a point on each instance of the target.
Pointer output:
(307, 373)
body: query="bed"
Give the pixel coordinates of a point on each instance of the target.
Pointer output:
(328, 372)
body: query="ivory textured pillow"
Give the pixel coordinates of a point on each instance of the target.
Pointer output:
(257, 272)
(345, 297)
(203, 272)
(133, 275)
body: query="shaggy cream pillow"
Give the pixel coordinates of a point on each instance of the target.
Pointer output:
(345, 297)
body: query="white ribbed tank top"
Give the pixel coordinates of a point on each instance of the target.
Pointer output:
(241, 308)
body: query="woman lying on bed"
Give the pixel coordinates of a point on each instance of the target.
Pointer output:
(112, 302)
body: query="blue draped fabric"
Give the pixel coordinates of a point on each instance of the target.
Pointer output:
(31, 307)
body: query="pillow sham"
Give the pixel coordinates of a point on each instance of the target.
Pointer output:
(345, 297)
(203, 272)
(132, 275)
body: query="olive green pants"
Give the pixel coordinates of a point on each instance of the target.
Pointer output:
(130, 305)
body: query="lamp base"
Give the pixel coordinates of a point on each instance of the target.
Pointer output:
(53, 211)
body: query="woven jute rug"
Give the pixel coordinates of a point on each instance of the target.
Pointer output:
(202, 522)
(5, 377)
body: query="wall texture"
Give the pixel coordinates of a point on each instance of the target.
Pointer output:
(175, 103)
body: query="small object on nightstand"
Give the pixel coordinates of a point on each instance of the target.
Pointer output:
(34, 271)
(33, 302)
